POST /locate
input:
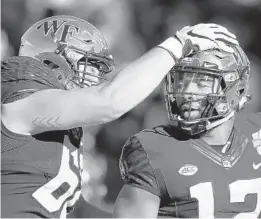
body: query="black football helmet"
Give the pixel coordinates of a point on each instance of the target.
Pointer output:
(227, 76)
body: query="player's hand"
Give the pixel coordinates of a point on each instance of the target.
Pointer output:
(257, 141)
(204, 37)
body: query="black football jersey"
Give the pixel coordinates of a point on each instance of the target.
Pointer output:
(192, 178)
(40, 174)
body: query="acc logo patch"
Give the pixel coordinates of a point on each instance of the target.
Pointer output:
(188, 170)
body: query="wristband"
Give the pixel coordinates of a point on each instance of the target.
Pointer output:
(173, 46)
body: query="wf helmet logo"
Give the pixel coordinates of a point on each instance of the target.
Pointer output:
(188, 170)
(55, 26)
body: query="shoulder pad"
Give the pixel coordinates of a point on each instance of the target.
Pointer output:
(248, 123)
(27, 68)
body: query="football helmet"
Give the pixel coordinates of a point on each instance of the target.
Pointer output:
(74, 49)
(218, 81)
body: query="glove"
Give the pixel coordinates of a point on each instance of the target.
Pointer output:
(204, 37)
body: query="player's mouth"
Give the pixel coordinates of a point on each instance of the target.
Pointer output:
(190, 112)
(188, 107)
(188, 115)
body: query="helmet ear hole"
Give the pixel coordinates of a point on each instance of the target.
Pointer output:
(241, 91)
(50, 64)
(55, 68)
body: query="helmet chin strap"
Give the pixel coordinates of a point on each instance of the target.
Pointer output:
(243, 101)
(219, 122)
(211, 125)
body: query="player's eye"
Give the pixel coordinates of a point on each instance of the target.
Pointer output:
(205, 84)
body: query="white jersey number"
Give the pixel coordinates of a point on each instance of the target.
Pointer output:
(203, 192)
(62, 189)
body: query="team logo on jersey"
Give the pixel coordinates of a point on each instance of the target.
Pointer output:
(188, 170)
(257, 141)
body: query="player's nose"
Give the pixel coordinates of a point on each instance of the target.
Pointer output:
(191, 88)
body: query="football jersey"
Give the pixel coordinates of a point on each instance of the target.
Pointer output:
(40, 174)
(192, 179)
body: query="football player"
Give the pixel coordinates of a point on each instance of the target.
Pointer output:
(58, 84)
(207, 164)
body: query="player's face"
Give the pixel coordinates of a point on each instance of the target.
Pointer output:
(90, 79)
(194, 87)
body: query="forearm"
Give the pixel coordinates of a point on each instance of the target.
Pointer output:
(135, 82)
(56, 109)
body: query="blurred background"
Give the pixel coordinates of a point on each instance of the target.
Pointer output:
(131, 28)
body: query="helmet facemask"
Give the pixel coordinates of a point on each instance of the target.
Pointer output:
(89, 70)
(73, 48)
(202, 93)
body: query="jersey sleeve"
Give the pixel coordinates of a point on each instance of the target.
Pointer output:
(135, 167)
(11, 91)
(15, 86)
